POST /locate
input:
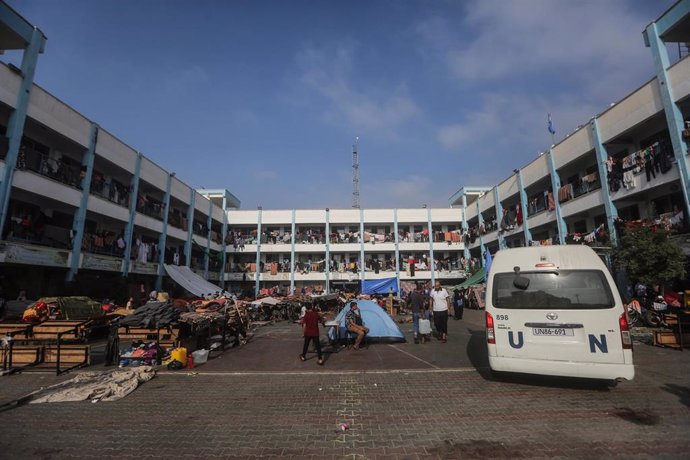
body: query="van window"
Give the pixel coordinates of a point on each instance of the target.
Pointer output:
(558, 289)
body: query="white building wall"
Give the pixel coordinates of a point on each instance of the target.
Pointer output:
(535, 171)
(115, 151)
(679, 76)
(507, 188)
(58, 116)
(344, 216)
(180, 190)
(634, 109)
(154, 175)
(573, 147)
(9, 85)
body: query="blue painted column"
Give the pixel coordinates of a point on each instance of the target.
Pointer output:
(480, 219)
(464, 225)
(602, 156)
(207, 254)
(224, 256)
(129, 228)
(523, 208)
(674, 117)
(80, 214)
(292, 254)
(397, 248)
(190, 227)
(257, 273)
(328, 251)
(499, 218)
(432, 261)
(15, 125)
(556, 186)
(162, 239)
(361, 246)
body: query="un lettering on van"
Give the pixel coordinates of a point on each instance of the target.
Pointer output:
(594, 342)
(598, 343)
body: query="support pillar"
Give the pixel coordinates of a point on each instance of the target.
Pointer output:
(499, 219)
(556, 186)
(362, 268)
(80, 214)
(464, 226)
(523, 208)
(292, 254)
(162, 239)
(224, 256)
(15, 125)
(257, 273)
(397, 248)
(432, 262)
(674, 117)
(328, 251)
(480, 219)
(129, 228)
(602, 156)
(190, 231)
(207, 254)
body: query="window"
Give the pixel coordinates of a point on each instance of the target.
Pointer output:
(558, 289)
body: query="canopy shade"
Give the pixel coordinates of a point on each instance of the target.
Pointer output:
(477, 278)
(192, 282)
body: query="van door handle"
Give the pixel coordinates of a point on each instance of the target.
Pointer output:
(556, 325)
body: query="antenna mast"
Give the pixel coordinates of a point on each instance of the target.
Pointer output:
(355, 175)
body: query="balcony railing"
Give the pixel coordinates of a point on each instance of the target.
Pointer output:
(59, 170)
(112, 191)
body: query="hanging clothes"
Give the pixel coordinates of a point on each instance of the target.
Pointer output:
(518, 214)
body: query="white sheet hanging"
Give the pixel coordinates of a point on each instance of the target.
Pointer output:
(189, 280)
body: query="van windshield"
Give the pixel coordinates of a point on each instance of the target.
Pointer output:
(557, 289)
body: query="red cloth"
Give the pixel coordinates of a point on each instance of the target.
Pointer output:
(311, 322)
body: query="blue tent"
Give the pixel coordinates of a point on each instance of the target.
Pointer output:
(382, 286)
(381, 326)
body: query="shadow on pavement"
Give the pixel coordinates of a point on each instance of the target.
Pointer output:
(477, 353)
(683, 393)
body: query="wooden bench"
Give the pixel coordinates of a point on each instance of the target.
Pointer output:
(165, 337)
(64, 329)
(13, 329)
(19, 356)
(678, 332)
(49, 345)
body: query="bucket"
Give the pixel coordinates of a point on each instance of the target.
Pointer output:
(200, 356)
(179, 354)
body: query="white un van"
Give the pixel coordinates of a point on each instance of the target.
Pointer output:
(555, 310)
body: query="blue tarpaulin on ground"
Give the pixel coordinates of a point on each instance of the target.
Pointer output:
(382, 286)
(381, 326)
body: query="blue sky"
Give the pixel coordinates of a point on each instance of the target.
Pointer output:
(265, 98)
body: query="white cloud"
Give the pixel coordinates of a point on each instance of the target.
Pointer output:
(536, 36)
(330, 73)
(412, 190)
(265, 174)
(505, 121)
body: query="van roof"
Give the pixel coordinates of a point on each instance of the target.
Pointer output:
(565, 257)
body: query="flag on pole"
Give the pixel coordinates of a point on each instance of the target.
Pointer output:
(550, 126)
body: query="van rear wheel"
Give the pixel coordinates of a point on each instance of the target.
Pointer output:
(497, 376)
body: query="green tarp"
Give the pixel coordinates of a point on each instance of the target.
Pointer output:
(477, 278)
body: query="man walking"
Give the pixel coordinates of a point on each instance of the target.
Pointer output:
(439, 304)
(418, 307)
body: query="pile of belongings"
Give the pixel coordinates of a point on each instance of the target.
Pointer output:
(140, 354)
(201, 321)
(69, 308)
(152, 315)
(94, 386)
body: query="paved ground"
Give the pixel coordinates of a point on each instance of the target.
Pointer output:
(401, 401)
